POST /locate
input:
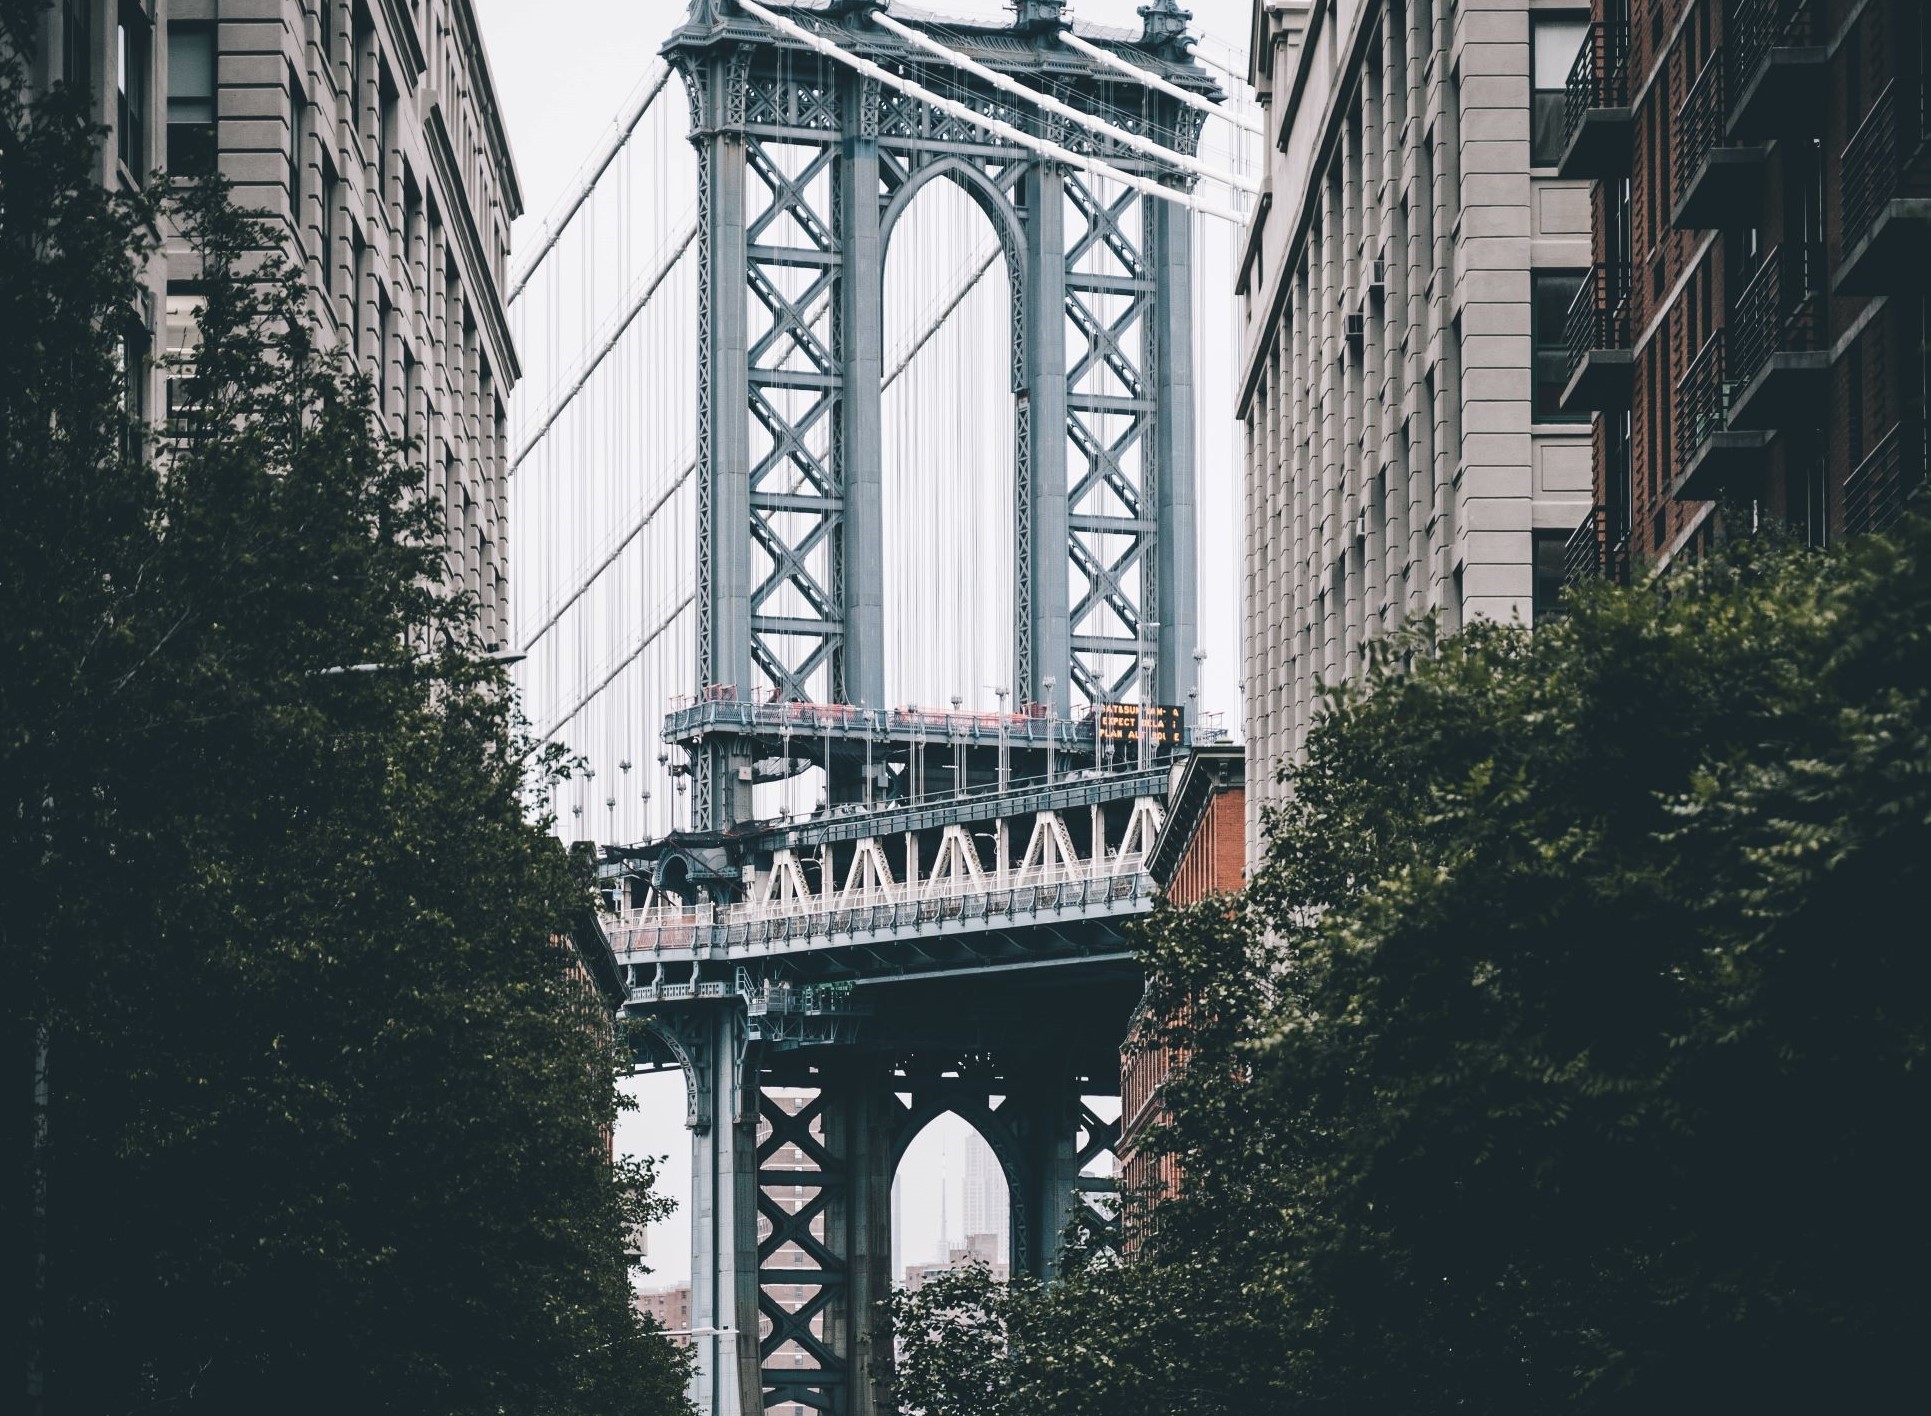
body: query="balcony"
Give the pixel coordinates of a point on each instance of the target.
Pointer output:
(1597, 329)
(1598, 549)
(1885, 483)
(1713, 460)
(1718, 182)
(1777, 68)
(1597, 121)
(1886, 198)
(1779, 365)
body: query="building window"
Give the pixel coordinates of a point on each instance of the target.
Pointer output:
(1554, 42)
(77, 46)
(297, 132)
(1552, 291)
(1551, 549)
(184, 343)
(131, 88)
(191, 100)
(325, 228)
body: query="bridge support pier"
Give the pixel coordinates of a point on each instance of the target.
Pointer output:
(794, 1153)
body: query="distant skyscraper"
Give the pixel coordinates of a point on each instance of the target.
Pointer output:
(987, 1210)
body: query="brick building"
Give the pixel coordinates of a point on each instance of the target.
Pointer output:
(1404, 286)
(671, 1308)
(1751, 341)
(1201, 850)
(367, 131)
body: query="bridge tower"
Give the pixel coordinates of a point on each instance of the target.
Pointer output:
(947, 932)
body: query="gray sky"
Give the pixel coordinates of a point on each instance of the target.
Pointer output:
(563, 73)
(564, 67)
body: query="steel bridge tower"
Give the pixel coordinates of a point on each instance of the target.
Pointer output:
(946, 933)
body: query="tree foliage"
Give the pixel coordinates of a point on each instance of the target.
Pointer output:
(1569, 1051)
(327, 1111)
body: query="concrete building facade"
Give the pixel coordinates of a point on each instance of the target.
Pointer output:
(1752, 342)
(1403, 288)
(367, 131)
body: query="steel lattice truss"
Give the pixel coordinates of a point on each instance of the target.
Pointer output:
(805, 168)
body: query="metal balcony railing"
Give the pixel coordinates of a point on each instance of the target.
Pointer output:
(1600, 76)
(1598, 549)
(1877, 492)
(1598, 317)
(1780, 310)
(1702, 402)
(1886, 144)
(1700, 125)
(1755, 27)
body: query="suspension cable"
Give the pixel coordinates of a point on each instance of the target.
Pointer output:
(958, 299)
(1063, 155)
(681, 244)
(1154, 81)
(1066, 110)
(625, 127)
(611, 559)
(665, 623)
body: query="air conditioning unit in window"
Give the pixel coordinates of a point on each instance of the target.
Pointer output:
(1357, 327)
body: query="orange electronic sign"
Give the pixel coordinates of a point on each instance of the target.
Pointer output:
(1163, 724)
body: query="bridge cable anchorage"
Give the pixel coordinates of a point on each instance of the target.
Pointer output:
(627, 125)
(1066, 110)
(1154, 81)
(1017, 136)
(663, 624)
(682, 244)
(577, 594)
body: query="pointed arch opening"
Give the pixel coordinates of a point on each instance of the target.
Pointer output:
(951, 1202)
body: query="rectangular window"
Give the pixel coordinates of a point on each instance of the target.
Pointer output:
(77, 45)
(191, 100)
(132, 59)
(297, 136)
(1554, 42)
(184, 341)
(1551, 549)
(1552, 293)
(325, 233)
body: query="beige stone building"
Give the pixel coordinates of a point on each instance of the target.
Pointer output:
(368, 129)
(1404, 288)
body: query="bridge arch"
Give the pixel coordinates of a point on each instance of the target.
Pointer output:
(949, 549)
(983, 1122)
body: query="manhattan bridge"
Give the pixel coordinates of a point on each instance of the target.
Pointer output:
(880, 656)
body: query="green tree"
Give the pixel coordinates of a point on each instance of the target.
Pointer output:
(327, 1110)
(1569, 1051)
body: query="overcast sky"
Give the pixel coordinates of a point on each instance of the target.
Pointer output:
(564, 70)
(564, 67)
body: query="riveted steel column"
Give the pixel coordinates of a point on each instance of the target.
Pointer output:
(1046, 395)
(862, 359)
(724, 1215)
(1176, 577)
(726, 449)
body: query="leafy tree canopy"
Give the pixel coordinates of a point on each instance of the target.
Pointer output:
(325, 1111)
(1569, 1051)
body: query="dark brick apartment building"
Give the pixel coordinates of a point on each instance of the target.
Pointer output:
(1751, 338)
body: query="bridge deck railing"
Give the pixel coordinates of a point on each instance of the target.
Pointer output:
(1117, 881)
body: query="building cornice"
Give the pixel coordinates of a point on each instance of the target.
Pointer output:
(489, 300)
(483, 84)
(1267, 330)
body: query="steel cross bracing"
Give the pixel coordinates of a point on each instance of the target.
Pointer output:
(949, 930)
(805, 168)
